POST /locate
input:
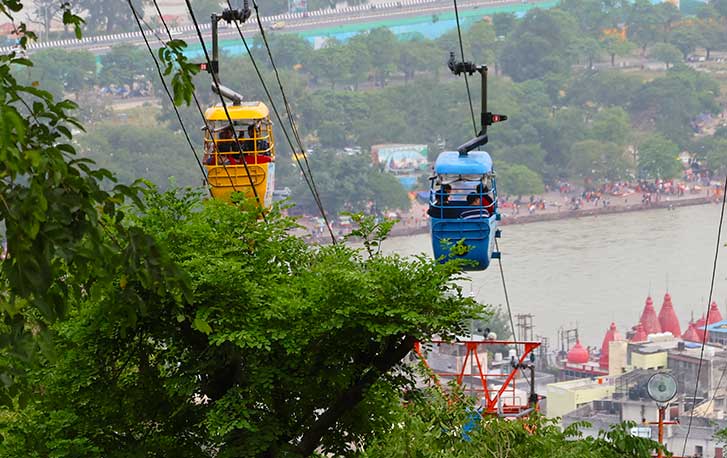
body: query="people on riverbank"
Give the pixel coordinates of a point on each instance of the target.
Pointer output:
(562, 198)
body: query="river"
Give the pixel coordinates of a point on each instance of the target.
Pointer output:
(588, 272)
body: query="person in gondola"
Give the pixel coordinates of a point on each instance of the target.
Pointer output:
(440, 209)
(226, 141)
(486, 200)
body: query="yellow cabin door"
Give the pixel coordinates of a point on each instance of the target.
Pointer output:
(224, 180)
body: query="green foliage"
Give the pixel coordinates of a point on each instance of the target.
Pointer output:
(61, 71)
(667, 53)
(540, 44)
(671, 102)
(284, 348)
(174, 60)
(518, 180)
(349, 183)
(108, 16)
(611, 125)
(658, 158)
(152, 153)
(615, 46)
(430, 425)
(123, 63)
(599, 161)
(647, 22)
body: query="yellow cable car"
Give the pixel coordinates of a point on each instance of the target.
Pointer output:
(225, 161)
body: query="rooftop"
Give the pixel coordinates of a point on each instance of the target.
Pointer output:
(720, 327)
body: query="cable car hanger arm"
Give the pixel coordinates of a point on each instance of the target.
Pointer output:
(486, 118)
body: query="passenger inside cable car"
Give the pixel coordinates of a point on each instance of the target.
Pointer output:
(221, 147)
(462, 198)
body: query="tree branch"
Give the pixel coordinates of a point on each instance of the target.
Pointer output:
(349, 399)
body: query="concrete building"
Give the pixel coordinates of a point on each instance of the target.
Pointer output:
(564, 397)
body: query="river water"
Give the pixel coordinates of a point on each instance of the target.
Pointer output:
(588, 272)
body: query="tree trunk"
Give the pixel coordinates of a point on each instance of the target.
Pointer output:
(311, 439)
(707, 49)
(613, 59)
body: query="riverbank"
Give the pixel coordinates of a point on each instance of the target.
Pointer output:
(403, 230)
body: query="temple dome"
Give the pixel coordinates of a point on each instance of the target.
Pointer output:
(578, 354)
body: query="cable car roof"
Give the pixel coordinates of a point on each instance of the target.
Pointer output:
(475, 163)
(246, 110)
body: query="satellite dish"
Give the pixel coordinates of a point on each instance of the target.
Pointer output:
(662, 387)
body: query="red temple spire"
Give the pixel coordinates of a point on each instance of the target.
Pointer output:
(714, 314)
(611, 335)
(668, 317)
(692, 334)
(649, 320)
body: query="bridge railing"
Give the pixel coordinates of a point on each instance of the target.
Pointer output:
(116, 37)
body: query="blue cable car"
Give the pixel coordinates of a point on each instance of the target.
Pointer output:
(463, 193)
(463, 209)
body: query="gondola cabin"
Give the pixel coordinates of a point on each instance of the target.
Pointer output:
(463, 209)
(226, 157)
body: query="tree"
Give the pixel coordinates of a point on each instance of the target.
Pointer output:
(645, 25)
(657, 158)
(503, 23)
(289, 49)
(672, 102)
(362, 63)
(541, 44)
(611, 125)
(45, 12)
(599, 161)
(606, 88)
(518, 179)
(285, 349)
(592, 15)
(687, 37)
(615, 46)
(717, 155)
(57, 219)
(713, 34)
(590, 49)
(480, 38)
(433, 425)
(348, 183)
(133, 152)
(123, 63)
(531, 155)
(385, 62)
(67, 71)
(109, 16)
(667, 53)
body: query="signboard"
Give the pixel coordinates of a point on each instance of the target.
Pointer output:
(406, 162)
(641, 431)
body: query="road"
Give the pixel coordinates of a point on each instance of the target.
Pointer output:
(295, 22)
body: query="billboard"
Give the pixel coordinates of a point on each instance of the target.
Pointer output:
(406, 162)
